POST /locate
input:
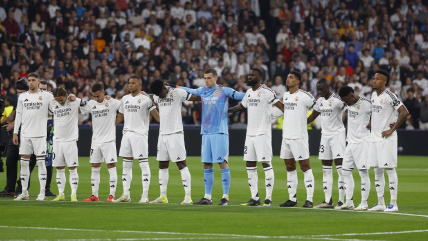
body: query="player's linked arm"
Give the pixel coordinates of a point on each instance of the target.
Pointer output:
(155, 114)
(402, 116)
(280, 105)
(119, 118)
(313, 116)
(194, 92)
(236, 108)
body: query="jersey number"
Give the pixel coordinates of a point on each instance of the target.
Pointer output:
(322, 148)
(92, 151)
(245, 149)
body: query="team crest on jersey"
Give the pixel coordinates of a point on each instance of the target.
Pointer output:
(171, 95)
(106, 104)
(216, 92)
(139, 101)
(258, 95)
(330, 104)
(68, 103)
(358, 106)
(40, 98)
(297, 98)
(381, 101)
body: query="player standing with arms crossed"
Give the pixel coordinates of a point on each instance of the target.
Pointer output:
(103, 146)
(215, 133)
(171, 139)
(32, 112)
(383, 149)
(333, 140)
(258, 142)
(356, 152)
(135, 109)
(295, 141)
(66, 133)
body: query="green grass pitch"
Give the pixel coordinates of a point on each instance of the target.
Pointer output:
(134, 221)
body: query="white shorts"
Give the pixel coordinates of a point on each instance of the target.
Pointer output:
(171, 147)
(65, 153)
(134, 145)
(103, 151)
(297, 149)
(383, 154)
(356, 156)
(332, 147)
(33, 145)
(258, 148)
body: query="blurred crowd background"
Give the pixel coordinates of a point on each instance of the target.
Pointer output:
(75, 44)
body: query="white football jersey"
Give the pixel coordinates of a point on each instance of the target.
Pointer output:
(32, 110)
(358, 119)
(296, 107)
(103, 119)
(170, 110)
(136, 113)
(259, 104)
(331, 112)
(65, 119)
(384, 109)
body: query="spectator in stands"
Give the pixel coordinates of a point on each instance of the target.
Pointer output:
(423, 121)
(412, 104)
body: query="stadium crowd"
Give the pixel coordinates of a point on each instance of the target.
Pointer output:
(75, 44)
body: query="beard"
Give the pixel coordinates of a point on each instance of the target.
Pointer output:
(251, 82)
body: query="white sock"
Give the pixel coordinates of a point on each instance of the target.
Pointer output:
(226, 196)
(163, 181)
(380, 185)
(74, 181)
(269, 181)
(349, 186)
(253, 181)
(207, 196)
(25, 175)
(127, 177)
(187, 180)
(42, 174)
(95, 179)
(327, 181)
(341, 183)
(292, 182)
(310, 185)
(365, 186)
(145, 171)
(113, 180)
(393, 184)
(60, 180)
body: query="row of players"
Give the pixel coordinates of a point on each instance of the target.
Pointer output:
(134, 109)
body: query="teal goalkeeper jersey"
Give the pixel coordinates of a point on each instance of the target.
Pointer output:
(215, 107)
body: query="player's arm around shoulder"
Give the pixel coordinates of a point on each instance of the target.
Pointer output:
(196, 92)
(231, 93)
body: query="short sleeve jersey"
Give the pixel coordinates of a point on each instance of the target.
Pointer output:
(259, 104)
(136, 113)
(296, 107)
(65, 119)
(384, 109)
(358, 119)
(331, 112)
(103, 119)
(170, 110)
(34, 110)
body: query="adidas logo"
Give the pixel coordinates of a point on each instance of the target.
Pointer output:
(341, 188)
(127, 102)
(338, 155)
(56, 107)
(94, 107)
(43, 179)
(145, 180)
(325, 188)
(123, 179)
(43, 152)
(269, 185)
(248, 95)
(74, 163)
(377, 185)
(219, 159)
(295, 195)
(141, 155)
(386, 164)
(309, 185)
(300, 156)
(183, 180)
(93, 184)
(178, 158)
(112, 160)
(249, 184)
(160, 184)
(289, 186)
(22, 179)
(112, 186)
(205, 180)
(286, 98)
(264, 158)
(74, 183)
(363, 189)
(184, 185)
(391, 188)
(224, 180)
(321, 104)
(364, 166)
(58, 183)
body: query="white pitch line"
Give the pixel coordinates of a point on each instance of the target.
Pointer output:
(366, 234)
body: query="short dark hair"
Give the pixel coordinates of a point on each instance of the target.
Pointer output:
(323, 81)
(135, 77)
(156, 86)
(297, 74)
(43, 82)
(345, 90)
(97, 87)
(384, 73)
(258, 71)
(33, 74)
(22, 85)
(58, 92)
(211, 71)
